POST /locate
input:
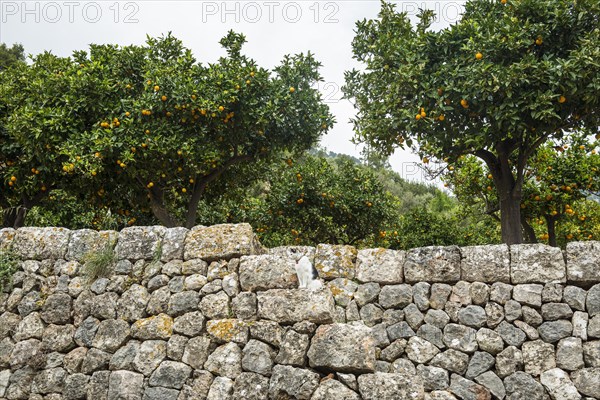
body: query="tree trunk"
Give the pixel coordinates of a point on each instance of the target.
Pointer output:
(159, 210)
(529, 232)
(551, 222)
(510, 220)
(14, 217)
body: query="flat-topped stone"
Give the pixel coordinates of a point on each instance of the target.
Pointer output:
(295, 305)
(432, 264)
(41, 243)
(536, 263)
(380, 265)
(225, 241)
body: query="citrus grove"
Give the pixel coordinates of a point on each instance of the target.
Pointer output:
(508, 77)
(147, 129)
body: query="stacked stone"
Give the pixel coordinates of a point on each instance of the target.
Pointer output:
(207, 313)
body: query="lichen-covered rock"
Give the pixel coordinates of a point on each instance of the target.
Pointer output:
(86, 241)
(380, 265)
(390, 386)
(215, 305)
(528, 294)
(559, 385)
(508, 361)
(123, 358)
(538, 357)
(460, 338)
(520, 385)
(75, 387)
(172, 244)
(536, 263)
(343, 348)
(220, 389)
(396, 296)
(258, 357)
(479, 363)
(487, 264)
(292, 383)
(7, 236)
(433, 264)
(160, 393)
(198, 388)
(58, 338)
(225, 241)
(125, 385)
(41, 243)
(228, 330)
(583, 262)
(140, 242)
(293, 349)
(468, 390)
(170, 374)
(592, 302)
(295, 305)
(473, 316)
(569, 354)
(433, 378)
(335, 261)
(190, 324)
(156, 327)
(267, 271)
(420, 350)
(30, 327)
(587, 381)
(111, 334)
(553, 331)
(334, 390)
(251, 386)
(149, 355)
(226, 361)
(49, 381)
(132, 304)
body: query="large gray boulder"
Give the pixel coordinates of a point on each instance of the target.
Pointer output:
(536, 263)
(41, 243)
(292, 383)
(488, 264)
(267, 271)
(335, 261)
(432, 264)
(221, 242)
(296, 305)
(343, 348)
(140, 242)
(380, 265)
(583, 262)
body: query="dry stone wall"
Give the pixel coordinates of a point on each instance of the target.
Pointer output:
(208, 313)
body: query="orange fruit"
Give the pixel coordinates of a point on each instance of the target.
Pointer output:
(163, 98)
(464, 103)
(300, 201)
(479, 56)
(562, 99)
(183, 190)
(441, 117)
(539, 41)
(156, 88)
(292, 90)
(418, 117)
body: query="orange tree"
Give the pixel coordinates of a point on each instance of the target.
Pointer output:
(510, 75)
(153, 129)
(35, 122)
(312, 200)
(558, 181)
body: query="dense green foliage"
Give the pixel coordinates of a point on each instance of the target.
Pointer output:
(9, 264)
(147, 129)
(510, 75)
(10, 56)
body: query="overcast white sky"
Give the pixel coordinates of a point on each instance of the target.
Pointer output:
(272, 28)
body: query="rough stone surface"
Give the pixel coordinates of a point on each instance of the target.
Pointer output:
(335, 261)
(583, 262)
(380, 265)
(139, 242)
(536, 263)
(41, 243)
(288, 306)
(344, 348)
(559, 385)
(485, 263)
(390, 386)
(267, 271)
(224, 241)
(433, 264)
(293, 383)
(587, 381)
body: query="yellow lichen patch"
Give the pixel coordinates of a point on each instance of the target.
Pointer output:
(226, 330)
